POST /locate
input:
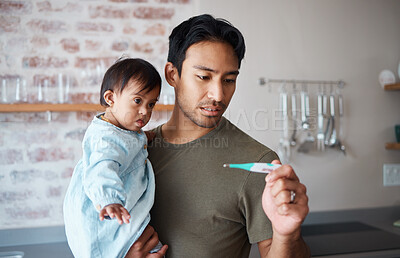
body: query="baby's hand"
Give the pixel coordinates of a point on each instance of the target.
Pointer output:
(115, 210)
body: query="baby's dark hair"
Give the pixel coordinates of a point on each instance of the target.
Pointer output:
(203, 28)
(126, 69)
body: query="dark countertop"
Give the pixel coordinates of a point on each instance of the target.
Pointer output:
(382, 217)
(353, 233)
(345, 238)
(319, 228)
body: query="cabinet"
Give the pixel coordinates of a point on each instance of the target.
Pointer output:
(392, 145)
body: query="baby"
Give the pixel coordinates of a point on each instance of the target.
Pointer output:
(114, 179)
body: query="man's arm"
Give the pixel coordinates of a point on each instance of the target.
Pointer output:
(296, 248)
(286, 216)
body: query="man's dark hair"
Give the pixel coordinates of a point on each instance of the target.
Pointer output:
(126, 69)
(203, 28)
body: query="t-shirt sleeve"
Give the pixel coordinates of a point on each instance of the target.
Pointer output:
(258, 225)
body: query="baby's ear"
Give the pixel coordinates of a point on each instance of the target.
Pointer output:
(109, 97)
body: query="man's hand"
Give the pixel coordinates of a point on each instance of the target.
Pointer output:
(145, 243)
(115, 210)
(286, 216)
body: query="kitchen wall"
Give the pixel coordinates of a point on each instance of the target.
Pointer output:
(323, 40)
(80, 39)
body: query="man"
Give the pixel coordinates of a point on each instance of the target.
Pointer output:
(202, 209)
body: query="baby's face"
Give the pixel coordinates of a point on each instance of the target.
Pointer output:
(132, 108)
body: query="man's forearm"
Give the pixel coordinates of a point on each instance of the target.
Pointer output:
(284, 247)
(294, 249)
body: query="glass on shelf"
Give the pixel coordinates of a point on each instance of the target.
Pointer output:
(93, 72)
(4, 95)
(49, 92)
(40, 92)
(21, 93)
(63, 88)
(13, 90)
(167, 94)
(54, 90)
(67, 88)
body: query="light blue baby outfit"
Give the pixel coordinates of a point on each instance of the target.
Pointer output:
(114, 169)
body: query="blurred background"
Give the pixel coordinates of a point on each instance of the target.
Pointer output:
(56, 52)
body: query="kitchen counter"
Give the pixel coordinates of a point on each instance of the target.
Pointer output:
(331, 233)
(353, 233)
(46, 242)
(320, 228)
(46, 250)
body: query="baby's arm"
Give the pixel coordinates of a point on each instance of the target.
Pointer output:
(103, 156)
(115, 210)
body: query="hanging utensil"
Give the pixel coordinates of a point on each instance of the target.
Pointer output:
(304, 121)
(342, 147)
(327, 115)
(294, 116)
(333, 137)
(309, 140)
(284, 144)
(320, 121)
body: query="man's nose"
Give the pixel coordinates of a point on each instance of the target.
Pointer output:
(216, 91)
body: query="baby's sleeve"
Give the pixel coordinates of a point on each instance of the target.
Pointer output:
(101, 175)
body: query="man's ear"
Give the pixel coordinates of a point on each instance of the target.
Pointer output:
(109, 97)
(171, 74)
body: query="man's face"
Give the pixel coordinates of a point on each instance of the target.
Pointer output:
(207, 82)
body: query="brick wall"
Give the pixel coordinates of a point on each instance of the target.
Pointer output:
(79, 39)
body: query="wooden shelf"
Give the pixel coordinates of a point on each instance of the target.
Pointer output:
(392, 146)
(8, 108)
(395, 86)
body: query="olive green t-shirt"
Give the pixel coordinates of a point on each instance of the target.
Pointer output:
(202, 209)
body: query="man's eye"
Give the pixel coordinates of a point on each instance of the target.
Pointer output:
(230, 80)
(201, 77)
(137, 101)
